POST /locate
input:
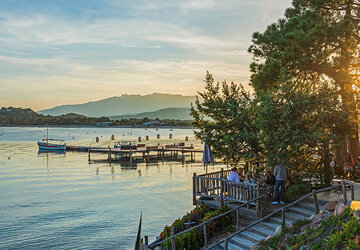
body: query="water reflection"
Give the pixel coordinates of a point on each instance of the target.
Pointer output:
(54, 152)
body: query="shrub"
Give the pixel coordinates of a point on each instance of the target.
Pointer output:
(195, 238)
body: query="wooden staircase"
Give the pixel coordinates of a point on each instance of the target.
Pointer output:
(253, 235)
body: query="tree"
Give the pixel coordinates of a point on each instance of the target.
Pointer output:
(226, 120)
(296, 124)
(317, 42)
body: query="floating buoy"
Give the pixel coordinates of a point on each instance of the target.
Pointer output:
(170, 136)
(139, 139)
(147, 137)
(97, 139)
(112, 137)
(9, 158)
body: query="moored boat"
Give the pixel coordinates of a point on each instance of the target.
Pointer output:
(57, 145)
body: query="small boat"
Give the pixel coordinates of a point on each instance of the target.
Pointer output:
(56, 145)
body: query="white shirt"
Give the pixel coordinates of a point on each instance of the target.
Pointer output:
(233, 176)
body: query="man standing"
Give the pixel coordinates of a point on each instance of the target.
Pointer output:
(281, 175)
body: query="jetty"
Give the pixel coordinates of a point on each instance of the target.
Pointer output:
(141, 152)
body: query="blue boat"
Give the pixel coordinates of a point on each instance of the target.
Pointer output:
(57, 144)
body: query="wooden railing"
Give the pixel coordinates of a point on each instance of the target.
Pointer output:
(216, 186)
(219, 174)
(202, 226)
(284, 208)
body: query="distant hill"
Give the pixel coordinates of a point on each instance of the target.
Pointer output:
(123, 105)
(162, 114)
(20, 116)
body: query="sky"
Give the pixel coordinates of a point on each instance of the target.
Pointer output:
(74, 51)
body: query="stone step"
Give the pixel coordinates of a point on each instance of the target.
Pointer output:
(217, 247)
(254, 237)
(241, 242)
(302, 211)
(307, 205)
(270, 224)
(277, 220)
(293, 216)
(260, 231)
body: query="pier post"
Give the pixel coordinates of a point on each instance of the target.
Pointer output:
(182, 155)
(89, 155)
(226, 244)
(194, 189)
(163, 153)
(109, 156)
(352, 192)
(130, 155)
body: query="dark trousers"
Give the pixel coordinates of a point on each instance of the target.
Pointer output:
(279, 184)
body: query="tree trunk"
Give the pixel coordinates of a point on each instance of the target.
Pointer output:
(327, 168)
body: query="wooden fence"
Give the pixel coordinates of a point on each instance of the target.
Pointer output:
(215, 185)
(282, 210)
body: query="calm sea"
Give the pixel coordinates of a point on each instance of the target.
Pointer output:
(50, 200)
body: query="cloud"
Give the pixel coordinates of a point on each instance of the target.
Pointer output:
(87, 53)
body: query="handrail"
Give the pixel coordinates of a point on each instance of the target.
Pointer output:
(205, 222)
(280, 210)
(214, 173)
(352, 183)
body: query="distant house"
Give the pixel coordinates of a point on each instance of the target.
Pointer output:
(102, 124)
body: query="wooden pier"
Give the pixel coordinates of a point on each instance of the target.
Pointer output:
(140, 152)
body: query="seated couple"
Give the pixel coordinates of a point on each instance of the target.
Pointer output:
(236, 175)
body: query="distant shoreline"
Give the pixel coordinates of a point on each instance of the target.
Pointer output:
(89, 126)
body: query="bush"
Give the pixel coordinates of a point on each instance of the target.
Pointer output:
(195, 238)
(296, 191)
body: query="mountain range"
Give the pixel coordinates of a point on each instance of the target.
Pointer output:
(162, 114)
(128, 105)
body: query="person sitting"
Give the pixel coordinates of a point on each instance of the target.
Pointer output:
(233, 176)
(241, 174)
(249, 178)
(270, 178)
(270, 182)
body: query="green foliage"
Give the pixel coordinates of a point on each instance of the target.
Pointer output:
(304, 68)
(19, 116)
(335, 232)
(226, 120)
(195, 238)
(296, 191)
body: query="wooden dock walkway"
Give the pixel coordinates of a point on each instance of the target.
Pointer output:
(142, 152)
